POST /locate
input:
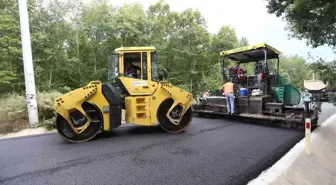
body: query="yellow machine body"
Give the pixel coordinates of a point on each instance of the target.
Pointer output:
(73, 101)
(146, 99)
(143, 109)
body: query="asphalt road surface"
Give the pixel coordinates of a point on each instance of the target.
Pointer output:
(211, 151)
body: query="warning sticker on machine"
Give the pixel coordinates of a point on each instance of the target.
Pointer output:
(139, 83)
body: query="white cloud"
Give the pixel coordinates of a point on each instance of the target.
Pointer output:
(249, 18)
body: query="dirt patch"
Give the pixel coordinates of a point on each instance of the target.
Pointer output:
(13, 127)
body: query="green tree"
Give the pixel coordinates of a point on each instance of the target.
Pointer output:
(325, 71)
(225, 39)
(71, 42)
(51, 36)
(131, 25)
(312, 20)
(10, 45)
(295, 70)
(243, 41)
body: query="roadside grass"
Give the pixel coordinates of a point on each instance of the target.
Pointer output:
(47, 115)
(13, 111)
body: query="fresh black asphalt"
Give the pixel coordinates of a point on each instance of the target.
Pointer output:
(211, 151)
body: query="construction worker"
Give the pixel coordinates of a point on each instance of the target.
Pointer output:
(228, 89)
(131, 70)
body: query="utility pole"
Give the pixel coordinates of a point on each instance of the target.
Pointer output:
(28, 64)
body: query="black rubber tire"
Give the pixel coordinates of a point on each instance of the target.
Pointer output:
(165, 122)
(64, 129)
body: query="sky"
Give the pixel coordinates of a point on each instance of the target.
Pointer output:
(249, 18)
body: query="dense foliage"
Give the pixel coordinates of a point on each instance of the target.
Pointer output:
(313, 20)
(71, 42)
(295, 70)
(326, 71)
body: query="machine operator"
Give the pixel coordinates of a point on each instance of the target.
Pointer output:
(131, 70)
(228, 89)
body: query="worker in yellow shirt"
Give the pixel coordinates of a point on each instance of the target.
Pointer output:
(228, 89)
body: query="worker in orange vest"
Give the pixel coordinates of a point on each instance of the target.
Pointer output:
(229, 88)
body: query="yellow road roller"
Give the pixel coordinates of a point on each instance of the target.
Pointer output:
(136, 86)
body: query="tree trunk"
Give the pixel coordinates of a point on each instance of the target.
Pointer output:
(191, 86)
(95, 62)
(78, 66)
(10, 65)
(50, 76)
(77, 43)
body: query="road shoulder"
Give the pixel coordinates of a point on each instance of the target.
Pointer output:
(297, 167)
(27, 132)
(31, 132)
